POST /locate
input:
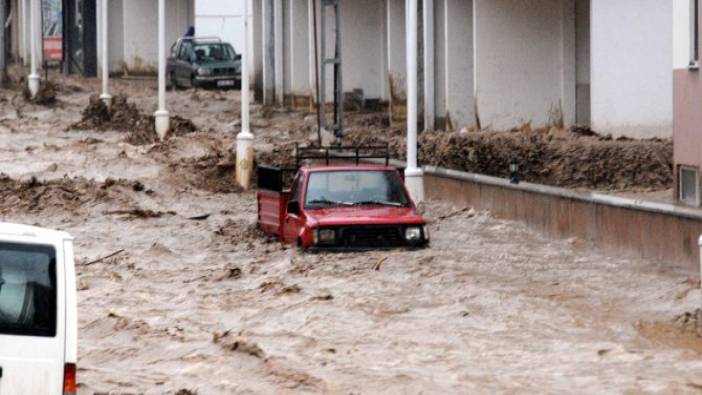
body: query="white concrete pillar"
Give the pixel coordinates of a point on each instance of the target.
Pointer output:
(105, 96)
(279, 52)
(429, 97)
(33, 79)
(414, 177)
(244, 140)
(161, 115)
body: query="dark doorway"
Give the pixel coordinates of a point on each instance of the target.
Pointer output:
(80, 37)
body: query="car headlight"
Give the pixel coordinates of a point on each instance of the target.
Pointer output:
(204, 71)
(413, 234)
(425, 228)
(324, 236)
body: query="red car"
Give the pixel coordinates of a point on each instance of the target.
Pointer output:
(340, 206)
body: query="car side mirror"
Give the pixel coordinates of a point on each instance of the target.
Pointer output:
(293, 208)
(237, 56)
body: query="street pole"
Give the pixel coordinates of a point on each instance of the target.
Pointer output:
(244, 140)
(161, 115)
(414, 177)
(105, 96)
(33, 79)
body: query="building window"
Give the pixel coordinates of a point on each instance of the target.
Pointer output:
(694, 33)
(689, 186)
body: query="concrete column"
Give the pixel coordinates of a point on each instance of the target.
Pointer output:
(33, 79)
(429, 106)
(244, 140)
(268, 53)
(279, 49)
(105, 96)
(414, 177)
(161, 115)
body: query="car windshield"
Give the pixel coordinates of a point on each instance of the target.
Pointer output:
(355, 188)
(208, 53)
(27, 290)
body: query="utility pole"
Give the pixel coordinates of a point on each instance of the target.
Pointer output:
(3, 43)
(244, 140)
(161, 116)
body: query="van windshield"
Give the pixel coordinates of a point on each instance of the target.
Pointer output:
(27, 290)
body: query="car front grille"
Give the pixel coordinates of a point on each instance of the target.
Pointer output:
(370, 236)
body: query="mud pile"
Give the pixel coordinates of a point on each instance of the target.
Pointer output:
(215, 172)
(67, 194)
(125, 117)
(46, 96)
(574, 160)
(690, 323)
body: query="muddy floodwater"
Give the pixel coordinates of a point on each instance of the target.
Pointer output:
(195, 300)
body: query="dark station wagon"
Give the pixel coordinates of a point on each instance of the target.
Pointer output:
(203, 62)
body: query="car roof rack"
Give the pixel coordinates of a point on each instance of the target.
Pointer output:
(203, 38)
(348, 153)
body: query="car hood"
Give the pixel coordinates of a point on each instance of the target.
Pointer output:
(368, 215)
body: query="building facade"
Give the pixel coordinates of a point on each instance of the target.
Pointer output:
(487, 64)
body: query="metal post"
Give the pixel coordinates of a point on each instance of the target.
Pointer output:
(414, 177)
(33, 79)
(279, 52)
(161, 116)
(105, 96)
(23, 30)
(268, 53)
(244, 140)
(311, 27)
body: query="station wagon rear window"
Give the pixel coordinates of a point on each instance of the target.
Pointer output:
(27, 290)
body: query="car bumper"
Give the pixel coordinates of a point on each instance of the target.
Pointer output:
(341, 249)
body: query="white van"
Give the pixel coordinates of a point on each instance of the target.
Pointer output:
(38, 312)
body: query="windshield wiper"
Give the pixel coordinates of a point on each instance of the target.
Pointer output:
(328, 202)
(378, 203)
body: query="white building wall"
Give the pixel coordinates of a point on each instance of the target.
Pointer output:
(141, 28)
(396, 58)
(298, 31)
(632, 83)
(362, 47)
(681, 34)
(458, 63)
(523, 65)
(582, 61)
(115, 35)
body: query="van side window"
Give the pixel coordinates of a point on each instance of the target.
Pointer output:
(27, 290)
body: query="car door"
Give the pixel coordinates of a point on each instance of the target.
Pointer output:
(294, 221)
(32, 317)
(183, 66)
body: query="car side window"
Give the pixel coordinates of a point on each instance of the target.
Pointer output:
(184, 52)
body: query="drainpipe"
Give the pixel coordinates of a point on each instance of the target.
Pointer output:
(161, 116)
(244, 140)
(414, 177)
(700, 245)
(105, 96)
(311, 26)
(3, 38)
